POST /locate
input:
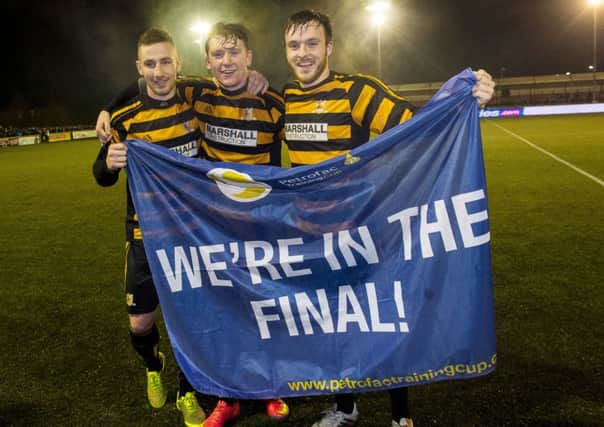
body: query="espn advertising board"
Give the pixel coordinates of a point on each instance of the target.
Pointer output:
(543, 110)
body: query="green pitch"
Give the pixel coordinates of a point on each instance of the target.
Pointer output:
(66, 357)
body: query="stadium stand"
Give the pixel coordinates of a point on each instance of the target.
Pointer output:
(555, 89)
(6, 131)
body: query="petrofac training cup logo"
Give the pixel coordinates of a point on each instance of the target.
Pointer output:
(238, 186)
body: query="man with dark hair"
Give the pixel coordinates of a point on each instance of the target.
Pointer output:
(157, 115)
(327, 115)
(351, 106)
(236, 126)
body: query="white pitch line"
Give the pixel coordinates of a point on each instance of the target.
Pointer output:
(553, 156)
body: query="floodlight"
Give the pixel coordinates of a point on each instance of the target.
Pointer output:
(379, 11)
(201, 28)
(595, 4)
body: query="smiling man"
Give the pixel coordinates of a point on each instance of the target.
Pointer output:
(228, 56)
(327, 114)
(237, 126)
(308, 47)
(157, 115)
(240, 127)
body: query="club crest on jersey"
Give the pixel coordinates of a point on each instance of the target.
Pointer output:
(321, 107)
(189, 126)
(248, 114)
(238, 186)
(130, 300)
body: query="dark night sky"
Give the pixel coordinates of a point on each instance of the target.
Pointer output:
(77, 54)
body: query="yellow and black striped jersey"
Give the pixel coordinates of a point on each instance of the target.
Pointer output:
(170, 123)
(237, 126)
(337, 115)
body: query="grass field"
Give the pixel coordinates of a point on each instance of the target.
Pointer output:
(67, 361)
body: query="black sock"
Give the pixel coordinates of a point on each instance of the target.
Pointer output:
(345, 402)
(229, 401)
(147, 347)
(399, 402)
(184, 386)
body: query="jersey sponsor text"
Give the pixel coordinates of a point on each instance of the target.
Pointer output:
(189, 149)
(237, 137)
(306, 131)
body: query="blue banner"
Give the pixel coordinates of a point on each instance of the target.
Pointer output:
(366, 272)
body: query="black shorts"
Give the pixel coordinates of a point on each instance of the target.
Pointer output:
(141, 296)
